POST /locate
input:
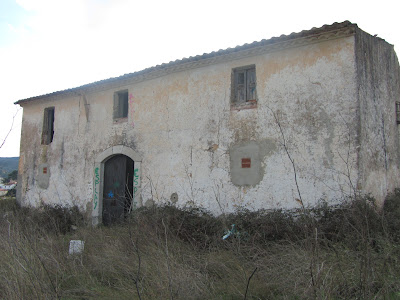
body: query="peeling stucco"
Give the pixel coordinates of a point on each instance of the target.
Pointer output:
(318, 101)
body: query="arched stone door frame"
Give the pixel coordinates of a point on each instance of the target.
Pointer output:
(98, 179)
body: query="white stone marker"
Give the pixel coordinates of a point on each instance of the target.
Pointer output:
(76, 246)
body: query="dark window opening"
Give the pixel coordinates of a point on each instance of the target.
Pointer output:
(121, 104)
(48, 126)
(398, 112)
(244, 85)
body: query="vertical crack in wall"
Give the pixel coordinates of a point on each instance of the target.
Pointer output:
(168, 116)
(385, 152)
(79, 115)
(62, 155)
(191, 156)
(384, 143)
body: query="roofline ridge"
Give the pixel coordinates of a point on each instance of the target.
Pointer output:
(314, 35)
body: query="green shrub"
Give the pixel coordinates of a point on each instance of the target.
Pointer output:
(341, 252)
(192, 225)
(391, 211)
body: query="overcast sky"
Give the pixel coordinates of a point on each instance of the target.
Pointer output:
(51, 45)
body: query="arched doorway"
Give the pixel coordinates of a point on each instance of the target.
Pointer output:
(117, 188)
(116, 178)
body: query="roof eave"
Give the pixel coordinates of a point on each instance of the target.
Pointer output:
(314, 35)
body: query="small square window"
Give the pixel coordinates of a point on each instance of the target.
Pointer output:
(48, 126)
(120, 104)
(244, 86)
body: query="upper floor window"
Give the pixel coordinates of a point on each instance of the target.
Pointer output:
(120, 105)
(244, 86)
(48, 126)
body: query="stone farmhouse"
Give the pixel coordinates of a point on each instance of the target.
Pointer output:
(306, 117)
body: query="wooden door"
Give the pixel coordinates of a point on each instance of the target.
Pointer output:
(117, 188)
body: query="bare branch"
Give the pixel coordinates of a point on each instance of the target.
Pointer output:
(136, 247)
(248, 283)
(11, 128)
(284, 144)
(168, 262)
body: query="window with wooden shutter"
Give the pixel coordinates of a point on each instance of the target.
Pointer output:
(120, 110)
(48, 126)
(244, 86)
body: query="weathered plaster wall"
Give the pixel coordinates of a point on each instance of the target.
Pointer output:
(65, 156)
(378, 78)
(184, 129)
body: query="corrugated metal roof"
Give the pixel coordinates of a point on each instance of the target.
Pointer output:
(221, 52)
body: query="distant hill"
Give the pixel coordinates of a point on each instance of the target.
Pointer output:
(7, 165)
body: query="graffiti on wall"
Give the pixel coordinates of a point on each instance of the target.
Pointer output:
(135, 185)
(96, 187)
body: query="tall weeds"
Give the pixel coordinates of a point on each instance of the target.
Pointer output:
(169, 253)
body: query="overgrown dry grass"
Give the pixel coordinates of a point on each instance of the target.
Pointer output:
(351, 251)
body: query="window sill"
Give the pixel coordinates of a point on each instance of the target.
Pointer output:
(246, 105)
(120, 120)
